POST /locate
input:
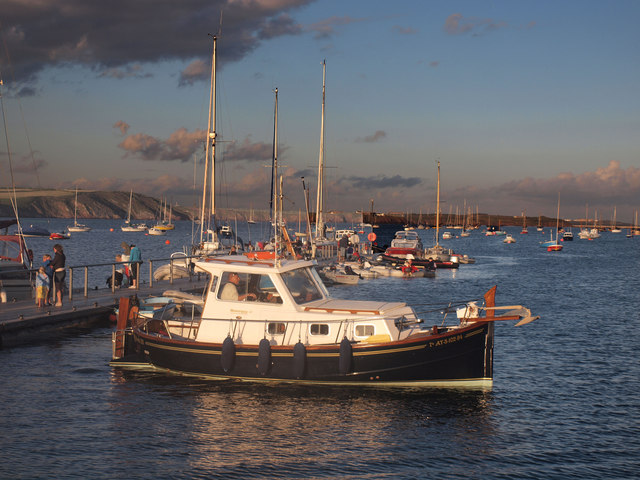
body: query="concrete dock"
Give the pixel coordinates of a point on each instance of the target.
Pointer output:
(23, 322)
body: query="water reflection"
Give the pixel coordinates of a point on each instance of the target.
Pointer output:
(255, 429)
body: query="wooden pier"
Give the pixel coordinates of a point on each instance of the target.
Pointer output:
(24, 323)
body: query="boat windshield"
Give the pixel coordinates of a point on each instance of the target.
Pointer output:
(302, 286)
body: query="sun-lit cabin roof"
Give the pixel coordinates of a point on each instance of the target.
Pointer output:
(242, 264)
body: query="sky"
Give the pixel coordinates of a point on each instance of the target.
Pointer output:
(519, 101)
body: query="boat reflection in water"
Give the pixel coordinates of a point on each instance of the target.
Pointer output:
(243, 430)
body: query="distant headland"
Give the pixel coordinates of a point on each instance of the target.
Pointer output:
(51, 203)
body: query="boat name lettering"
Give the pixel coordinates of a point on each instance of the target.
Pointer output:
(445, 341)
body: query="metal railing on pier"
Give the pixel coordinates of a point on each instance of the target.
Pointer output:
(172, 264)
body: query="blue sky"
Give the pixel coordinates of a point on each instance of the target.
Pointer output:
(517, 100)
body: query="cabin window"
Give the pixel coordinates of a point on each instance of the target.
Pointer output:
(276, 328)
(365, 330)
(214, 283)
(319, 329)
(245, 287)
(301, 285)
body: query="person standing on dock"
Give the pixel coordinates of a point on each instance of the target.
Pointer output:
(135, 257)
(125, 258)
(59, 273)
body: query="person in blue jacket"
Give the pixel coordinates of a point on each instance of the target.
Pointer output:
(135, 258)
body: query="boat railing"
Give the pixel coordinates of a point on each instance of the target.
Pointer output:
(291, 328)
(99, 269)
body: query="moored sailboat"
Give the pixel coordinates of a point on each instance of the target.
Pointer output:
(128, 226)
(553, 245)
(77, 227)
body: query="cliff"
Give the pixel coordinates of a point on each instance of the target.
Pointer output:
(34, 203)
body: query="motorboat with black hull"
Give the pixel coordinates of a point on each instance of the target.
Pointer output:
(276, 322)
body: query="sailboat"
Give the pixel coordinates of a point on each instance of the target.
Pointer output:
(614, 228)
(553, 245)
(165, 224)
(15, 260)
(214, 240)
(465, 222)
(539, 227)
(439, 254)
(634, 231)
(128, 227)
(77, 227)
(251, 221)
(524, 222)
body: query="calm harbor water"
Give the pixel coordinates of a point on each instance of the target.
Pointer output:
(565, 401)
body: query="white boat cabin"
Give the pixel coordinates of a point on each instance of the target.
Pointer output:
(406, 239)
(286, 303)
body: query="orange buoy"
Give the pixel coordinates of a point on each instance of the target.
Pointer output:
(371, 237)
(111, 229)
(167, 242)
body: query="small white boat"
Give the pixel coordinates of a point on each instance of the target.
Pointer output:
(339, 275)
(156, 231)
(405, 242)
(509, 239)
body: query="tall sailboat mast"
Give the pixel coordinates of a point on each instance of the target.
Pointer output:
(320, 197)
(274, 173)
(438, 207)
(210, 149)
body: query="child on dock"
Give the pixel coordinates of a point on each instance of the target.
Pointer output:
(42, 287)
(46, 263)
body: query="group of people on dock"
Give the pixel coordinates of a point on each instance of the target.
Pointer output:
(50, 278)
(131, 258)
(52, 273)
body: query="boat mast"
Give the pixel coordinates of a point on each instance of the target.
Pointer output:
(129, 214)
(558, 218)
(210, 145)
(320, 197)
(75, 210)
(438, 207)
(274, 173)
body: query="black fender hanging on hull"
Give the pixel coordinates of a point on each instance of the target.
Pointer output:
(228, 357)
(264, 357)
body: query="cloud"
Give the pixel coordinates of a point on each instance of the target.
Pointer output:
(27, 165)
(606, 186)
(279, 26)
(195, 71)
(381, 181)
(251, 152)
(326, 28)
(180, 146)
(118, 39)
(404, 30)
(164, 184)
(128, 71)
(456, 24)
(122, 126)
(378, 135)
